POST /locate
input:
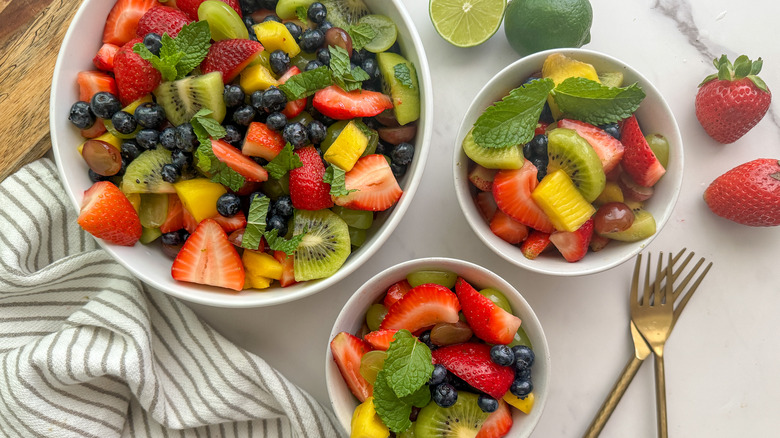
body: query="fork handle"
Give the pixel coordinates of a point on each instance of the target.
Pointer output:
(660, 396)
(613, 398)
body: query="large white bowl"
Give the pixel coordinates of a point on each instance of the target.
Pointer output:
(352, 318)
(654, 116)
(148, 263)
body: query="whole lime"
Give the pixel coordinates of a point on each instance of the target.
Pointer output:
(535, 25)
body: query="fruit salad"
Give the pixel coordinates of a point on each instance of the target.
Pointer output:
(562, 162)
(430, 362)
(252, 141)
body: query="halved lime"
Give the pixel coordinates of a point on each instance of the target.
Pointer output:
(386, 32)
(466, 23)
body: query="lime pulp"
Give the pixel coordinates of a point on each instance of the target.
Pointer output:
(466, 23)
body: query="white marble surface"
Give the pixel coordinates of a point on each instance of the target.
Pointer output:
(722, 361)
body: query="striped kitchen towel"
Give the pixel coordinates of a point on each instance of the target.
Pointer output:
(87, 350)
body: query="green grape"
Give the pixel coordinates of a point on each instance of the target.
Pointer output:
(386, 32)
(521, 338)
(224, 22)
(373, 138)
(304, 118)
(660, 147)
(300, 60)
(444, 278)
(497, 298)
(149, 235)
(275, 188)
(374, 316)
(153, 210)
(333, 131)
(360, 219)
(356, 236)
(371, 363)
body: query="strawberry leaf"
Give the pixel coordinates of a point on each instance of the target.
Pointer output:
(758, 82)
(742, 66)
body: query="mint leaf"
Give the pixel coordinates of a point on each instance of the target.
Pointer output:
(512, 121)
(302, 14)
(404, 75)
(345, 78)
(209, 164)
(277, 243)
(208, 125)
(334, 176)
(284, 162)
(591, 102)
(409, 364)
(255, 222)
(339, 61)
(229, 178)
(361, 35)
(307, 83)
(166, 67)
(193, 40)
(393, 411)
(419, 398)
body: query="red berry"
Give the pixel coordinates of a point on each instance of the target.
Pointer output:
(106, 213)
(190, 7)
(338, 104)
(161, 20)
(122, 21)
(748, 194)
(376, 188)
(135, 76)
(229, 57)
(307, 190)
(207, 257)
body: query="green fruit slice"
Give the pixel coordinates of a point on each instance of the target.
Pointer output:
(497, 298)
(357, 237)
(144, 174)
(463, 419)
(183, 98)
(375, 315)
(521, 338)
(286, 9)
(371, 363)
(643, 227)
(386, 32)
(660, 147)
(611, 78)
(425, 276)
(466, 23)
(360, 219)
(224, 22)
(493, 158)
(568, 151)
(343, 13)
(324, 247)
(149, 235)
(399, 77)
(153, 210)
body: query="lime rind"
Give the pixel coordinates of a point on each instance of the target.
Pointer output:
(466, 23)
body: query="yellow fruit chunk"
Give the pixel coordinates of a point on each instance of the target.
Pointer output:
(348, 147)
(523, 404)
(254, 281)
(262, 264)
(366, 423)
(134, 198)
(559, 67)
(274, 36)
(611, 193)
(256, 78)
(107, 137)
(133, 105)
(199, 196)
(560, 200)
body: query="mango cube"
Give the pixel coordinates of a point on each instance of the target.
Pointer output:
(199, 196)
(611, 193)
(348, 147)
(560, 200)
(256, 78)
(523, 404)
(366, 423)
(559, 67)
(254, 281)
(262, 264)
(274, 36)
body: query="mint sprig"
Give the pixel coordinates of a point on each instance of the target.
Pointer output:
(179, 56)
(403, 75)
(302, 13)
(307, 83)
(512, 120)
(591, 102)
(335, 176)
(361, 35)
(255, 222)
(277, 243)
(284, 162)
(346, 78)
(205, 129)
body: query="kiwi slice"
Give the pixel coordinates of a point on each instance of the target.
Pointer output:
(144, 174)
(493, 158)
(399, 79)
(462, 419)
(343, 13)
(568, 151)
(611, 78)
(183, 98)
(642, 228)
(324, 247)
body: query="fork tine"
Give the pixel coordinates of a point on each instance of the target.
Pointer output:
(669, 294)
(678, 272)
(657, 296)
(647, 291)
(632, 297)
(689, 294)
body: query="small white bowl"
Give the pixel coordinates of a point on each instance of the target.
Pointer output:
(352, 317)
(654, 116)
(148, 263)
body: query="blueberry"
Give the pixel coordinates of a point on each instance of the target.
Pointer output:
(487, 403)
(251, 35)
(371, 67)
(372, 85)
(316, 131)
(612, 129)
(425, 338)
(458, 383)
(383, 147)
(147, 138)
(438, 375)
(358, 56)
(170, 139)
(279, 61)
(173, 238)
(233, 95)
(272, 17)
(268, 4)
(521, 388)
(295, 134)
(546, 115)
(294, 30)
(232, 135)
(96, 177)
(104, 104)
(130, 150)
(311, 65)
(395, 48)
(502, 355)
(283, 206)
(528, 152)
(277, 223)
(181, 159)
(325, 26)
(276, 121)
(444, 395)
(317, 12)
(402, 154)
(399, 170)
(524, 356)
(123, 122)
(150, 115)
(169, 173)
(523, 374)
(323, 55)
(539, 146)
(256, 195)
(153, 42)
(274, 100)
(256, 100)
(312, 39)
(189, 141)
(228, 205)
(81, 115)
(541, 166)
(244, 115)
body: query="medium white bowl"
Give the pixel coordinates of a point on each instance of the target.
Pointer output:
(352, 317)
(148, 263)
(654, 116)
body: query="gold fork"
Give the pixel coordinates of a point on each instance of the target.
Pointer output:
(641, 349)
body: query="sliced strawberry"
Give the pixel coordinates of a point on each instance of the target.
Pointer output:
(573, 245)
(175, 219)
(107, 214)
(633, 191)
(486, 205)
(598, 242)
(239, 162)
(307, 190)
(380, 339)
(639, 161)
(96, 130)
(347, 351)
(190, 7)
(162, 20)
(135, 76)
(508, 229)
(229, 57)
(122, 21)
(375, 185)
(233, 223)
(498, 423)
(338, 104)
(535, 244)
(471, 362)
(262, 141)
(207, 257)
(190, 224)
(608, 148)
(512, 192)
(489, 322)
(92, 82)
(482, 178)
(294, 108)
(104, 59)
(396, 292)
(288, 274)
(423, 306)
(541, 127)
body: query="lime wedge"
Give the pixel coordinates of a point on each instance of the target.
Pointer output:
(466, 23)
(386, 32)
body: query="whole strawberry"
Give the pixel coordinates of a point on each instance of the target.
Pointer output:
(731, 102)
(748, 194)
(135, 76)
